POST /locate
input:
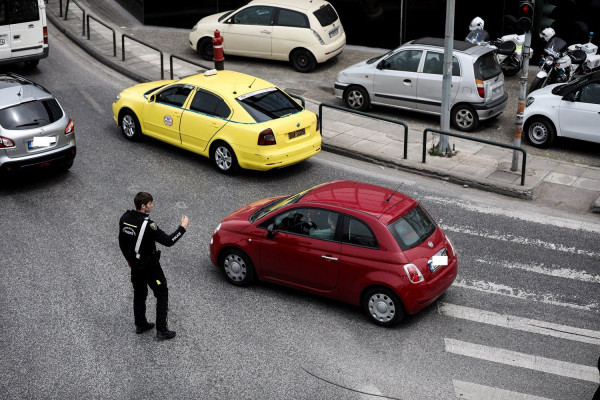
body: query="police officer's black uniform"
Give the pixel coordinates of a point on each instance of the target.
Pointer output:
(143, 259)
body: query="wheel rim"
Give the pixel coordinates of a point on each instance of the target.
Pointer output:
(302, 60)
(207, 49)
(538, 133)
(382, 307)
(235, 267)
(355, 99)
(223, 158)
(464, 118)
(128, 125)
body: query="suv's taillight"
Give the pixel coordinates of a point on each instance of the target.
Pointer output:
(70, 127)
(480, 88)
(266, 138)
(45, 35)
(5, 143)
(413, 273)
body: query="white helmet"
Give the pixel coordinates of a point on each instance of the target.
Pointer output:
(547, 34)
(476, 23)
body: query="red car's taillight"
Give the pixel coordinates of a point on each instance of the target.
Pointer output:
(6, 143)
(70, 127)
(480, 88)
(45, 35)
(413, 273)
(266, 138)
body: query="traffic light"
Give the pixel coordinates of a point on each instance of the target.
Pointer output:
(544, 13)
(526, 15)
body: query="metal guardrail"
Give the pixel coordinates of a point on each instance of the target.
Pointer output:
(185, 60)
(162, 58)
(507, 146)
(67, 11)
(393, 121)
(295, 96)
(107, 26)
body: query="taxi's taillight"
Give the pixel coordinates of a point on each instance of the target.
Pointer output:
(413, 273)
(266, 138)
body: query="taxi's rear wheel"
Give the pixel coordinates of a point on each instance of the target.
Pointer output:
(130, 126)
(237, 267)
(205, 48)
(383, 307)
(224, 158)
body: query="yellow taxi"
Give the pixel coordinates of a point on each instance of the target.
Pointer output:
(237, 120)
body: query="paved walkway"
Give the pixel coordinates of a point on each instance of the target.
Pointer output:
(566, 185)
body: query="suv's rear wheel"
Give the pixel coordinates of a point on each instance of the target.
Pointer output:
(356, 98)
(465, 118)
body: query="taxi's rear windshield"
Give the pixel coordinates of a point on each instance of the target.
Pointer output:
(268, 104)
(326, 15)
(412, 229)
(33, 114)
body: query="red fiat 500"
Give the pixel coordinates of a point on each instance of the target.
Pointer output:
(351, 241)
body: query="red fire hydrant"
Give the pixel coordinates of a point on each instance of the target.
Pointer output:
(218, 57)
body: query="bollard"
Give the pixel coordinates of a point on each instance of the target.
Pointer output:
(218, 57)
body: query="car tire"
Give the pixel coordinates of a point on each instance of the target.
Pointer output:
(224, 158)
(237, 267)
(356, 98)
(540, 132)
(205, 48)
(465, 118)
(303, 61)
(32, 63)
(130, 125)
(537, 83)
(383, 307)
(66, 166)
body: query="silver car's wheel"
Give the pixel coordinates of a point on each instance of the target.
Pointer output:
(383, 306)
(356, 98)
(540, 132)
(237, 267)
(224, 158)
(465, 118)
(130, 126)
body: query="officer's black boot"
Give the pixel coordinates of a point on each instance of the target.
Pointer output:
(165, 335)
(143, 328)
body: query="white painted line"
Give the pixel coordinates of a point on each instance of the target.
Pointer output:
(520, 240)
(522, 215)
(92, 101)
(387, 175)
(522, 360)
(503, 290)
(567, 273)
(472, 391)
(519, 323)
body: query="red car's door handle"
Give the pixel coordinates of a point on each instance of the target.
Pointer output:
(329, 258)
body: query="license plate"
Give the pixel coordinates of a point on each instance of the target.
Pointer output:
(439, 260)
(498, 89)
(41, 141)
(297, 133)
(2, 42)
(334, 32)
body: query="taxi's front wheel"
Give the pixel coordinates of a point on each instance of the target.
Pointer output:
(224, 158)
(130, 126)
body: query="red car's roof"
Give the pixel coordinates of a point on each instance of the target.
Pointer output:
(377, 201)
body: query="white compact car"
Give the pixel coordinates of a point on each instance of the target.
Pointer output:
(303, 32)
(570, 110)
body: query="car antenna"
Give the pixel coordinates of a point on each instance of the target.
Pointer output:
(391, 195)
(252, 83)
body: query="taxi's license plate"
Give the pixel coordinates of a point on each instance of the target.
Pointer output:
(433, 266)
(297, 133)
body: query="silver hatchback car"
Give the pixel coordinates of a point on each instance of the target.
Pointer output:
(35, 132)
(410, 77)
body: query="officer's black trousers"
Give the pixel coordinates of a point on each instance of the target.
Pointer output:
(155, 278)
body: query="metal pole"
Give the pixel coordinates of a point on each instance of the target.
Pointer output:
(444, 144)
(522, 99)
(401, 20)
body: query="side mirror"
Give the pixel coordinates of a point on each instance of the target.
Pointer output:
(151, 99)
(271, 230)
(570, 96)
(381, 64)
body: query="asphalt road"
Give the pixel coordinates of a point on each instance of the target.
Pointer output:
(522, 317)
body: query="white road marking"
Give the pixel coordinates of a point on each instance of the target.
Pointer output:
(92, 101)
(520, 240)
(568, 273)
(522, 215)
(364, 171)
(522, 360)
(547, 298)
(519, 323)
(472, 391)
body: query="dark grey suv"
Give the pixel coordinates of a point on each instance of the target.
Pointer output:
(35, 132)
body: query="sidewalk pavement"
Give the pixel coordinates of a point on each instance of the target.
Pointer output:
(565, 185)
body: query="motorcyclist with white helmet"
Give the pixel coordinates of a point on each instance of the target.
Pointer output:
(477, 34)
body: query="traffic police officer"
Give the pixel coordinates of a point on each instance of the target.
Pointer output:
(138, 235)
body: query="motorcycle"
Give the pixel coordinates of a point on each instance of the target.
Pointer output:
(592, 60)
(558, 64)
(508, 49)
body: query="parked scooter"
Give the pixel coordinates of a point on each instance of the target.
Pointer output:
(508, 48)
(558, 64)
(592, 60)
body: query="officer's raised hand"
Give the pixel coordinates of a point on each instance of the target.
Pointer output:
(185, 221)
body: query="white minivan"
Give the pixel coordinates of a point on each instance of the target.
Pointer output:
(23, 31)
